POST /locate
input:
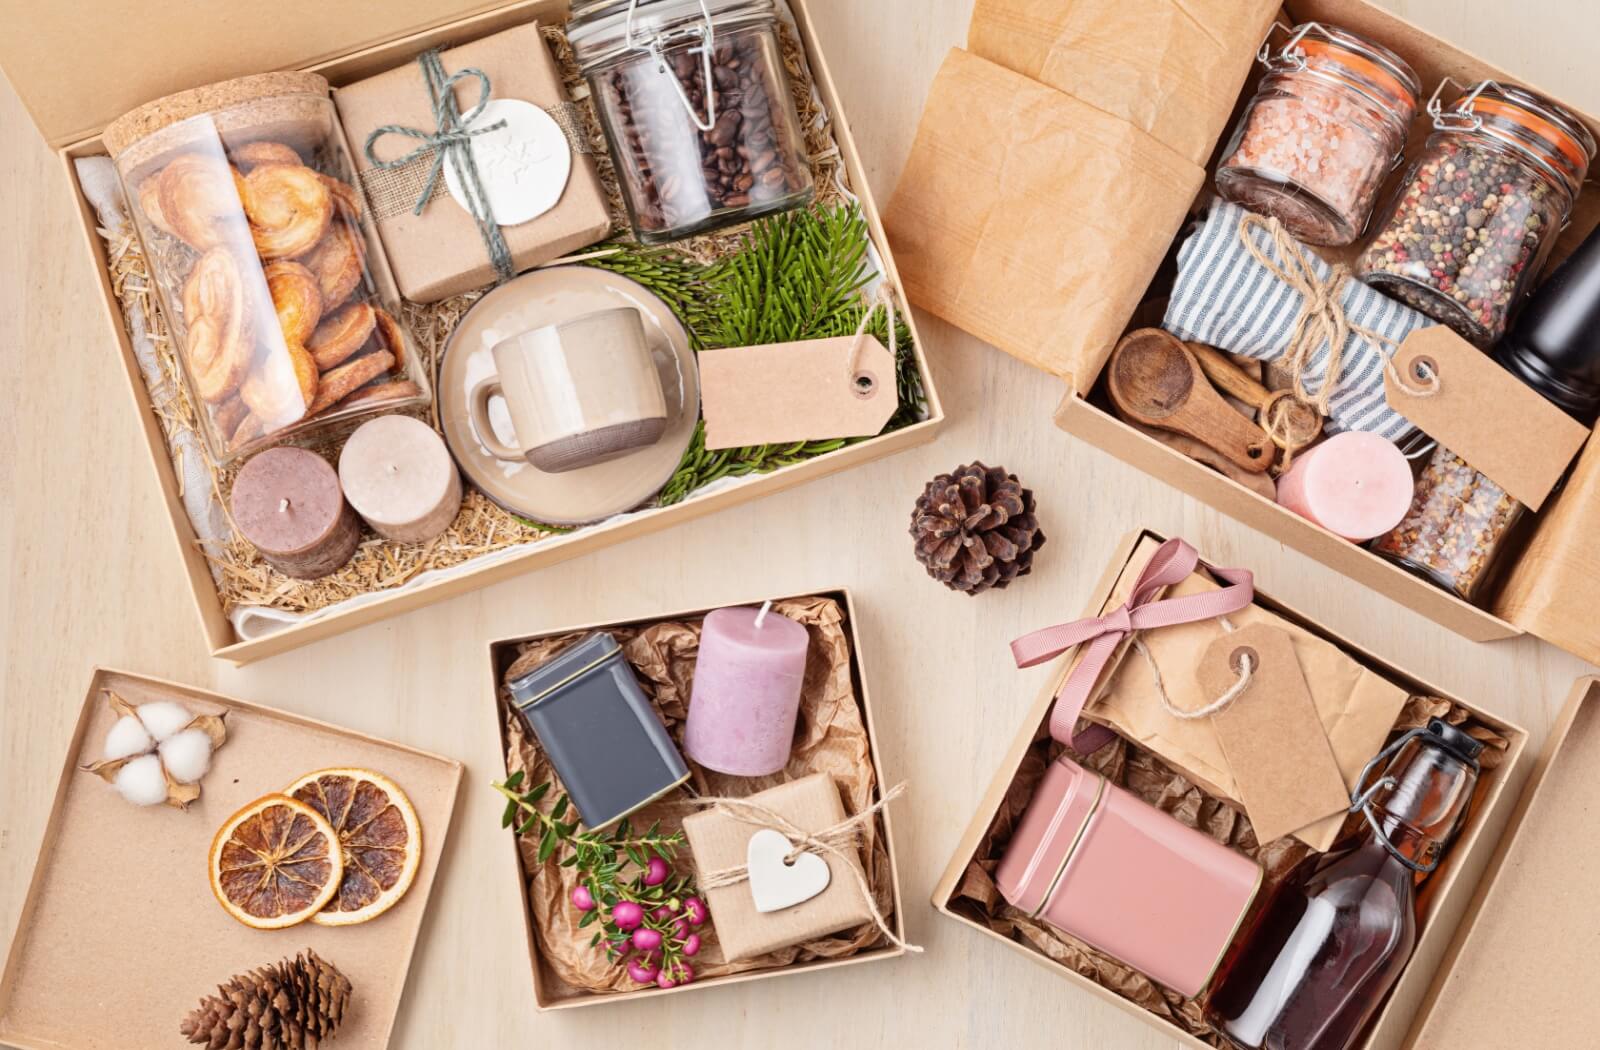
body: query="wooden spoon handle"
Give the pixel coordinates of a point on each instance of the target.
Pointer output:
(1229, 376)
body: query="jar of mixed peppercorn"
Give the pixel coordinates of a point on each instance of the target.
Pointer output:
(1479, 211)
(1325, 128)
(696, 104)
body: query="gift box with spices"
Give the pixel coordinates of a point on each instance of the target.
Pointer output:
(1412, 228)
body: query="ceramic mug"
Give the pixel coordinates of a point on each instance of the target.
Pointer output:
(578, 393)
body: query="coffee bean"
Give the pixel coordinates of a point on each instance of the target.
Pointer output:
(752, 152)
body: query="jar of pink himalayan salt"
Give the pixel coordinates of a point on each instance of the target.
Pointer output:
(1326, 127)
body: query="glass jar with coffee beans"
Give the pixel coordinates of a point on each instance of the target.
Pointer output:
(1479, 211)
(696, 104)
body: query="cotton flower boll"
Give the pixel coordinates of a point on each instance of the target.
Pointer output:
(164, 718)
(141, 781)
(127, 737)
(187, 755)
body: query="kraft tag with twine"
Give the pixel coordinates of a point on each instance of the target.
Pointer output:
(1283, 765)
(814, 390)
(1485, 415)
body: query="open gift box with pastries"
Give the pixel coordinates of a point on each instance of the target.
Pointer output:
(1064, 158)
(834, 742)
(1495, 911)
(248, 609)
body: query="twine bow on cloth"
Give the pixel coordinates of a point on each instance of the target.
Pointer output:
(451, 142)
(839, 841)
(1172, 563)
(1246, 286)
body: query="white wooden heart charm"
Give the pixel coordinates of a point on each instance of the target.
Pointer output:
(776, 884)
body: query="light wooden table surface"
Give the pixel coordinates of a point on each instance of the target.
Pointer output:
(89, 576)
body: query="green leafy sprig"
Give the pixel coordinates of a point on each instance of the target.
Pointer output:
(611, 865)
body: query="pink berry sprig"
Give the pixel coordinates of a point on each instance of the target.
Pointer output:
(648, 916)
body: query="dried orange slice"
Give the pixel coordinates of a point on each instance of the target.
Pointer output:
(380, 835)
(275, 863)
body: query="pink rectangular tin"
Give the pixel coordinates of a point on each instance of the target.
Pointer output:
(1124, 877)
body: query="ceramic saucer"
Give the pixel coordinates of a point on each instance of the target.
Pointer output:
(554, 296)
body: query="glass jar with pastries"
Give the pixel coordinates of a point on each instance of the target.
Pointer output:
(1474, 221)
(244, 196)
(697, 108)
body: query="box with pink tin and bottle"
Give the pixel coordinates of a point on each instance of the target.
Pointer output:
(696, 798)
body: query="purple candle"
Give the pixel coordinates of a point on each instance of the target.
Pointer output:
(746, 695)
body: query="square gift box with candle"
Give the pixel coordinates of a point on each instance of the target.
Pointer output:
(1459, 950)
(1092, 158)
(811, 777)
(250, 609)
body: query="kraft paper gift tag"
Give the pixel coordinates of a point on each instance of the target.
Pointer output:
(1270, 732)
(1485, 415)
(1356, 707)
(720, 842)
(813, 390)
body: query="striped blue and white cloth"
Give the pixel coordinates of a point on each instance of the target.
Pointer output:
(1225, 298)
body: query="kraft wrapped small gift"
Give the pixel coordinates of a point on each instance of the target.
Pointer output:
(738, 880)
(538, 172)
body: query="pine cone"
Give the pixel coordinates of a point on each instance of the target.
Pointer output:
(290, 1005)
(975, 528)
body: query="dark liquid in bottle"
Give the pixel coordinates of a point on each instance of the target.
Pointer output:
(1324, 952)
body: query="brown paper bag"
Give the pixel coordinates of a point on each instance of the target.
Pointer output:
(1171, 69)
(1000, 226)
(1357, 707)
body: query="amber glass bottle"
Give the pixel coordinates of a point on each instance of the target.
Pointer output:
(1319, 957)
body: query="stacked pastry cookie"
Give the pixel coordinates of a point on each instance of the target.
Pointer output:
(279, 319)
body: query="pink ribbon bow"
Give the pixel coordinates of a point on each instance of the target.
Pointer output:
(1171, 565)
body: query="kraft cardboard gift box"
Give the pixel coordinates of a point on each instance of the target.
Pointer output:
(1101, 124)
(550, 992)
(1506, 925)
(165, 48)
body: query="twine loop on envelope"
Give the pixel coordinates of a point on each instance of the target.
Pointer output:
(1322, 318)
(1171, 564)
(833, 841)
(451, 141)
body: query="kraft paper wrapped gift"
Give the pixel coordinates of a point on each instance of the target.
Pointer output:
(440, 253)
(720, 841)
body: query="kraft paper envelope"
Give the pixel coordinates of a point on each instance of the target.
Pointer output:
(1358, 708)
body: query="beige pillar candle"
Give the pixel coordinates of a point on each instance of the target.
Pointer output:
(399, 476)
(287, 503)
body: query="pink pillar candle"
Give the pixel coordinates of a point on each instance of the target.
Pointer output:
(399, 476)
(746, 693)
(1355, 485)
(288, 504)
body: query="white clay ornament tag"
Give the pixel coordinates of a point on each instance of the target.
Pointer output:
(523, 166)
(776, 884)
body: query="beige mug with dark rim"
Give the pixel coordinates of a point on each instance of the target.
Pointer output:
(578, 393)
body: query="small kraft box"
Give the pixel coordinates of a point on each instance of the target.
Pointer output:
(836, 803)
(160, 50)
(1142, 129)
(1471, 928)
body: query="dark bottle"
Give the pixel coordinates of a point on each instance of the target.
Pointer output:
(1319, 957)
(1555, 345)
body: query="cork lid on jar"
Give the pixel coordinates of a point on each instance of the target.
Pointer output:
(290, 107)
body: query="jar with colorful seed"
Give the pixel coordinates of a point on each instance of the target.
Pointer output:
(1477, 214)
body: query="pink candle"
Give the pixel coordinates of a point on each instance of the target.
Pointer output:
(746, 694)
(1354, 485)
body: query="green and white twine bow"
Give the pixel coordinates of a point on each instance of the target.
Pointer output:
(451, 142)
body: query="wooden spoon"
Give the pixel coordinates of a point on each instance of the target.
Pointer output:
(1300, 423)
(1156, 381)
